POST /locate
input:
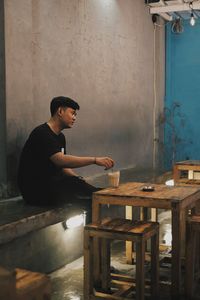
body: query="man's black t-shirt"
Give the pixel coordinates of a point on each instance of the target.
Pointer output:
(37, 173)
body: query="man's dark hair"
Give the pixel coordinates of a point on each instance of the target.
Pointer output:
(62, 101)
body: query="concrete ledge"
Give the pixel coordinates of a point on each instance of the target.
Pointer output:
(29, 219)
(18, 218)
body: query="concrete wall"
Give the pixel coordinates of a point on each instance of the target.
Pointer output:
(100, 52)
(3, 172)
(44, 250)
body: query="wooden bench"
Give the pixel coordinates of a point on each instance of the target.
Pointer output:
(32, 285)
(21, 284)
(7, 284)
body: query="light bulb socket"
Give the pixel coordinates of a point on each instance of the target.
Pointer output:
(154, 18)
(192, 19)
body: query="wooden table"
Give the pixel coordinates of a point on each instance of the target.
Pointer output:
(176, 198)
(188, 165)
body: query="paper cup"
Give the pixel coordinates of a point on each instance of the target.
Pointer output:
(113, 179)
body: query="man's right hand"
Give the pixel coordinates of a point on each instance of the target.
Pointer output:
(106, 162)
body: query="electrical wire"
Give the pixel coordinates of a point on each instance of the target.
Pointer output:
(162, 25)
(177, 26)
(155, 100)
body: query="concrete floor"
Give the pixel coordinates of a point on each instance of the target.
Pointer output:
(67, 282)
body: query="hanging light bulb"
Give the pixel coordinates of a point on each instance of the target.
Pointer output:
(192, 19)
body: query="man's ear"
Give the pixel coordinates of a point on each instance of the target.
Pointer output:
(59, 111)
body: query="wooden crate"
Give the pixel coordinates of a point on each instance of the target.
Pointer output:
(32, 285)
(7, 284)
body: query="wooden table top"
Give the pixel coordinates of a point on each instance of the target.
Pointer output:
(161, 191)
(188, 162)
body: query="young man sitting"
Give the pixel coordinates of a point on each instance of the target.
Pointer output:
(46, 173)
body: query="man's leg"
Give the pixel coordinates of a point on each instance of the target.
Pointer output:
(77, 191)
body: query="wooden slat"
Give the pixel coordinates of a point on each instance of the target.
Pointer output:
(119, 225)
(32, 285)
(189, 181)
(122, 277)
(100, 295)
(188, 162)
(161, 191)
(124, 291)
(117, 283)
(188, 167)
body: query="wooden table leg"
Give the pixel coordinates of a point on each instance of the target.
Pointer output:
(143, 213)
(183, 216)
(176, 250)
(155, 265)
(140, 276)
(96, 210)
(197, 207)
(176, 173)
(129, 244)
(105, 264)
(154, 215)
(88, 266)
(189, 266)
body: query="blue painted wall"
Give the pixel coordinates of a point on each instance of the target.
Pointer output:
(182, 102)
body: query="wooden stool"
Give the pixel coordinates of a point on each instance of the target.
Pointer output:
(32, 285)
(192, 265)
(127, 230)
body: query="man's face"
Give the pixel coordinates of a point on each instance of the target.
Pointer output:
(67, 117)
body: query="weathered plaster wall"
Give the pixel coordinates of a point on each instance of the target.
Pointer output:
(99, 52)
(3, 172)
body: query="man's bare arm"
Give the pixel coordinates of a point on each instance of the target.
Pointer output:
(69, 161)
